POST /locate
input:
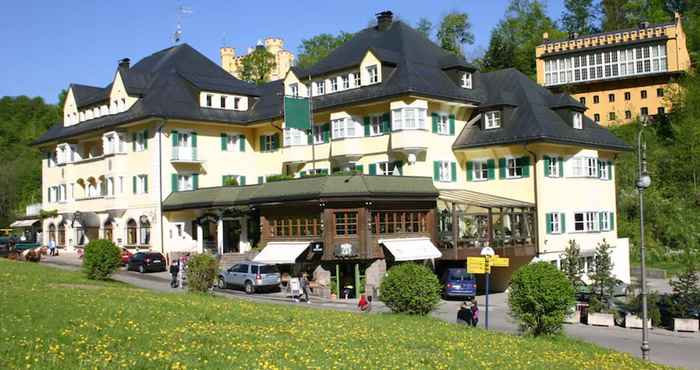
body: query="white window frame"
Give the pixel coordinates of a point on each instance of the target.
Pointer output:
(294, 89)
(357, 79)
(388, 168)
(318, 134)
(590, 222)
(268, 143)
(604, 221)
(345, 127)
(513, 171)
(556, 222)
(375, 125)
(185, 182)
(232, 142)
(334, 84)
(443, 124)
(445, 171)
(141, 184)
(320, 87)
(295, 137)
(554, 166)
(209, 100)
(346, 82)
(140, 142)
(466, 79)
(372, 74)
(402, 121)
(578, 120)
(480, 170)
(583, 167)
(492, 119)
(604, 170)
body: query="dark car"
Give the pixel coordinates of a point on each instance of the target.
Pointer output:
(145, 262)
(459, 283)
(4, 246)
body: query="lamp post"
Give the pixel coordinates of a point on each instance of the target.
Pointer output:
(643, 182)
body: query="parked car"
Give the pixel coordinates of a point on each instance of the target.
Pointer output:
(459, 283)
(252, 276)
(4, 246)
(126, 254)
(145, 262)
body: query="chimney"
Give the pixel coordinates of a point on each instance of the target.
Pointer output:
(573, 35)
(124, 64)
(644, 25)
(545, 36)
(384, 20)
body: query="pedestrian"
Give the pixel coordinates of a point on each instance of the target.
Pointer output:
(475, 314)
(464, 314)
(365, 303)
(306, 290)
(52, 247)
(174, 270)
(182, 270)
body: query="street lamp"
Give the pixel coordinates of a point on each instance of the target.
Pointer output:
(643, 182)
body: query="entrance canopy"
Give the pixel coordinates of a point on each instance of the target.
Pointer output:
(23, 223)
(481, 199)
(281, 252)
(411, 249)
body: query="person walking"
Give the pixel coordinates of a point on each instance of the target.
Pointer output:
(174, 271)
(475, 314)
(306, 290)
(52, 247)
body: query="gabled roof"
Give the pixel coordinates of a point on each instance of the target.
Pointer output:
(86, 95)
(533, 117)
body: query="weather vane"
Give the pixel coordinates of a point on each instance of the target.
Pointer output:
(181, 10)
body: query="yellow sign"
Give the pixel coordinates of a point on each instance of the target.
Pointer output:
(476, 265)
(499, 261)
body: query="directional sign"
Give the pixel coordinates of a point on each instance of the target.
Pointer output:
(497, 261)
(476, 265)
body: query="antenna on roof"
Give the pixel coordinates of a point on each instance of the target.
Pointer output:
(181, 10)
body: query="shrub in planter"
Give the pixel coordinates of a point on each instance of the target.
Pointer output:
(540, 298)
(100, 259)
(410, 288)
(202, 270)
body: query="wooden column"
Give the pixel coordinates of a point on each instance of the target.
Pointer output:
(489, 224)
(357, 280)
(455, 230)
(337, 279)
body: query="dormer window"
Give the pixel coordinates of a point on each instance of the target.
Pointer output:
(209, 100)
(320, 87)
(334, 84)
(223, 102)
(578, 120)
(357, 78)
(492, 119)
(466, 80)
(373, 74)
(346, 82)
(294, 89)
(236, 103)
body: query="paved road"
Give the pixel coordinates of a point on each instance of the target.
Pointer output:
(675, 349)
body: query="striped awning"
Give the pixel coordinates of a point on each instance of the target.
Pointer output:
(482, 200)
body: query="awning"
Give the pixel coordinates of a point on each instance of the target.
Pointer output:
(23, 223)
(482, 200)
(411, 249)
(281, 252)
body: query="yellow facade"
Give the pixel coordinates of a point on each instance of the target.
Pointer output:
(620, 96)
(284, 59)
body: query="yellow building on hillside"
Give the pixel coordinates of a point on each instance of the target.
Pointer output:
(413, 154)
(618, 75)
(284, 59)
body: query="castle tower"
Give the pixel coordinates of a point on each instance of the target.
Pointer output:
(283, 58)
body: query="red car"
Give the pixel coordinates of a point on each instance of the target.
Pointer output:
(125, 256)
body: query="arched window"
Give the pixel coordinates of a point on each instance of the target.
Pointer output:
(52, 232)
(108, 230)
(62, 234)
(131, 232)
(145, 229)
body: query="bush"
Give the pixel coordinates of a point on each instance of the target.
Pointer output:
(202, 270)
(274, 178)
(540, 298)
(410, 288)
(101, 259)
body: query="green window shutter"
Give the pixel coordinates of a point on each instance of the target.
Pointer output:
(275, 141)
(194, 139)
(610, 171)
(612, 220)
(470, 169)
(324, 171)
(525, 164)
(491, 166)
(399, 165)
(173, 182)
(145, 183)
(435, 122)
(301, 174)
(241, 180)
(195, 181)
(223, 180)
(310, 138)
(224, 142)
(261, 179)
(561, 166)
(601, 219)
(453, 168)
(133, 143)
(501, 168)
(326, 133)
(600, 164)
(562, 221)
(547, 162)
(452, 124)
(366, 124)
(373, 169)
(436, 170)
(133, 183)
(174, 137)
(386, 122)
(241, 143)
(548, 216)
(145, 139)
(359, 168)
(262, 143)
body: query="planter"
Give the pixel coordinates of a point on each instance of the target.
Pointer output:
(333, 296)
(574, 318)
(601, 319)
(689, 325)
(635, 322)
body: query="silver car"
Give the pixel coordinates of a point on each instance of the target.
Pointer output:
(251, 276)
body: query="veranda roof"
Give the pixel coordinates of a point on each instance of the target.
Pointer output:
(482, 199)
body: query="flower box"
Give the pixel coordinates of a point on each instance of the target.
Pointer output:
(635, 322)
(601, 319)
(689, 325)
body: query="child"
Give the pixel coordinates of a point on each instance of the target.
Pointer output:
(365, 303)
(475, 314)
(174, 270)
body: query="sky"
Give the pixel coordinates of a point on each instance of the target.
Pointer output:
(46, 45)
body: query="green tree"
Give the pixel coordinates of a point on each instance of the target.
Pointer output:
(540, 298)
(202, 270)
(603, 280)
(318, 47)
(410, 288)
(579, 16)
(425, 27)
(455, 31)
(61, 101)
(686, 291)
(102, 258)
(613, 15)
(256, 66)
(571, 262)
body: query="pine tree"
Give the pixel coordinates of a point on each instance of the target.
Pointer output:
(603, 281)
(571, 262)
(425, 27)
(686, 291)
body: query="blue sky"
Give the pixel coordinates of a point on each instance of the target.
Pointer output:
(48, 44)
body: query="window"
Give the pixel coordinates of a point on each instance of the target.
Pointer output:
(334, 84)
(596, 117)
(644, 111)
(318, 134)
(604, 170)
(294, 89)
(139, 141)
(223, 102)
(596, 99)
(611, 116)
(586, 221)
(357, 78)
(582, 100)
(145, 232)
(514, 169)
(232, 142)
(584, 167)
(660, 92)
(444, 171)
(466, 80)
(628, 96)
(390, 222)
(345, 223)
(290, 227)
(392, 168)
(236, 103)
(373, 73)
(604, 221)
(268, 143)
(628, 114)
(660, 110)
(346, 82)
(578, 120)
(611, 98)
(294, 137)
(209, 99)
(443, 124)
(140, 184)
(131, 232)
(236, 180)
(492, 119)
(345, 128)
(408, 118)
(553, 164)
(555, 223)
(375, 128)
(184, 183)
(320, 87)
(480, 170)
(644, 94)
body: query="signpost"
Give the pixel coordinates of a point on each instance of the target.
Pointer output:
(482, 265)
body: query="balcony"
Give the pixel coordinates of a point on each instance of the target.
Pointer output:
(185, 154)
(409, 141)
(298, 154)
(348, 149)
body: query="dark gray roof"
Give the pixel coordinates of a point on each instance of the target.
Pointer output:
(532, 117)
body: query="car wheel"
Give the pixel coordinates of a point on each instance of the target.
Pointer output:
(222, 283)
(249, 288)
(142, 269)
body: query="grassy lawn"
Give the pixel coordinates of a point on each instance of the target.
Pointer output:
(57, 319)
